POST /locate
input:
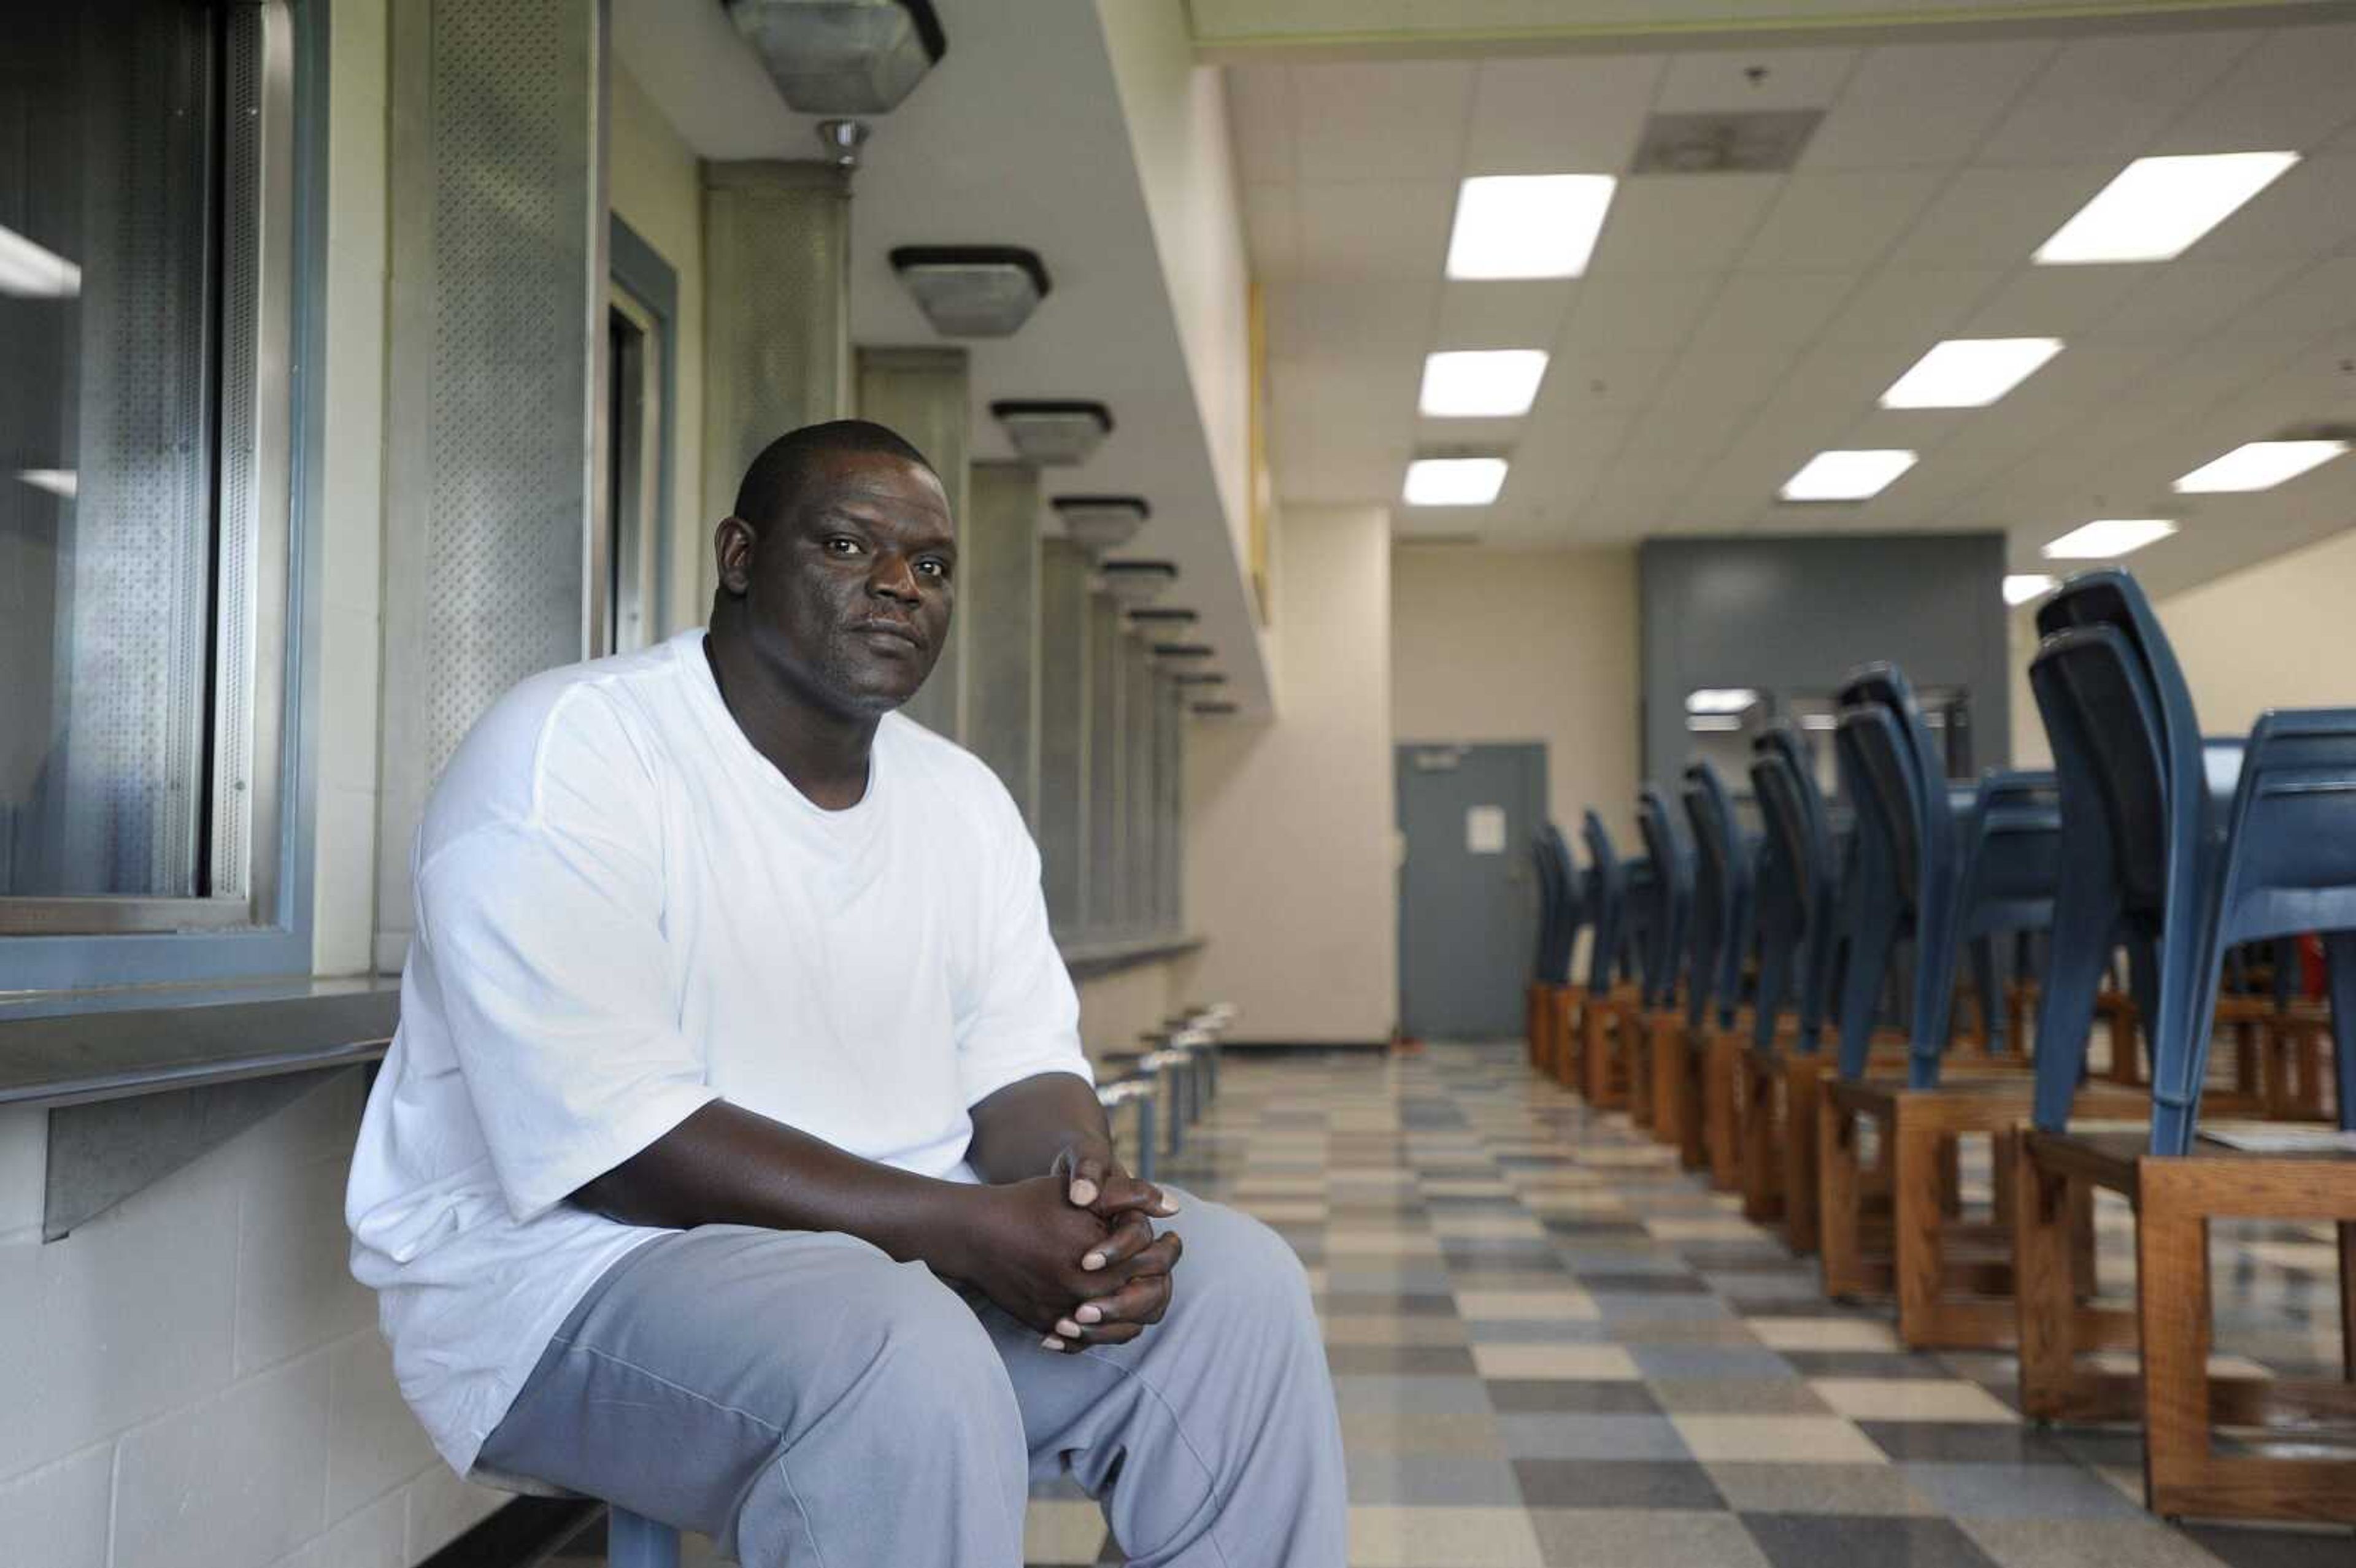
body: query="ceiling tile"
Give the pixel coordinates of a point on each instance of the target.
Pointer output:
(1564, 115)
(1374, 228)
(1396, 119)
(1922, 104)
(1585, 380)
(2054, 302)
(2192, 299)
(1998, 217)
(1772, 310)
(1847, 219)
(1271, 230)
(1682, 222)
(1640, 310)
(2103, 99)
(2291, 91)
(1503, 315)
(1354, 325)
(1260, 115)
(1911, 308)
(1789, 79)
(1709, 388)
(2321, 298)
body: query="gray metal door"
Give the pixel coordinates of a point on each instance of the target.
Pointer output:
(1468, 898)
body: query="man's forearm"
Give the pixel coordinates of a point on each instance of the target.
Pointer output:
(1024, 1128)
(728, 1165)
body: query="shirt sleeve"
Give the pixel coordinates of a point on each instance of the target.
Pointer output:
(1023, 1016)
(550, 965)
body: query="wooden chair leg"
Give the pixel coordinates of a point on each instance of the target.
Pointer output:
(2347, 1300)
(1762, 1137)
(1838, 1202)
(1920, 1187)
(2047, 1285)
(1801, 1196)
(1664, 1054)
(2172, 1313)
(1725, 1128)
(1693, 1132)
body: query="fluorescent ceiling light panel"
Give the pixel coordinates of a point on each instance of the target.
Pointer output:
(2156, 207)
(1527, 226)
(2107, 538)
(1969, 372)
(61, 481)
(1482, 383)
(2021, 587)
(1454, 481)
(1720, 699)
(1847, 475)
(1713, 723)
(2259, 466)
(29, 272)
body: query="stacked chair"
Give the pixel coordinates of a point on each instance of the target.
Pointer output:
(1800, 948)
(1660, 1073)
(1722, 910)
(2197, 845)
(1613, 1004)
(1553, 1000)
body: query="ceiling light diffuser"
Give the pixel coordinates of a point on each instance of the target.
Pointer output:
(31, 271)
(1482, 383)
(1969, 372)
(2107, 538)
(1454, 481)
(2021, 587)
(1720, 699)
(63, 483)
(1854, 475)
(1527, 226)
(2259, 466)
(2156, 207)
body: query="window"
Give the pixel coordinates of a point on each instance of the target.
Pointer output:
(145, 173)
(642, 302)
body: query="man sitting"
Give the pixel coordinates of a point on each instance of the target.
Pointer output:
(736, 1161)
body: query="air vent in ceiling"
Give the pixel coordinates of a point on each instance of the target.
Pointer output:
(1751, 142)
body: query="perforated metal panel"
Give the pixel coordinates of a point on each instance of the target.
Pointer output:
(137, 618)
(494, 371)
(508, 445)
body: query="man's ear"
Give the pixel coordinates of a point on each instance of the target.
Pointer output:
(731, 547)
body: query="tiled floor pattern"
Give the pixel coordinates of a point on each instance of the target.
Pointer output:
(1552, 1347)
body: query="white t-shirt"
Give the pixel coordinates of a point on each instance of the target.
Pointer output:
(625, 911)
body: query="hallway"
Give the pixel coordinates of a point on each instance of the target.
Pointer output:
(1553, 1348)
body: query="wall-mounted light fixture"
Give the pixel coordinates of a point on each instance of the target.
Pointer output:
(973, 290)
(1171, 616)
(1184, 652)
(1214, 710)
(1133, 582)
(842, 57)
(1054, 434)
(1201, 677)
(1099, 524)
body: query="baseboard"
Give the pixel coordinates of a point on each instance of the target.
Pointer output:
(1302, 1047)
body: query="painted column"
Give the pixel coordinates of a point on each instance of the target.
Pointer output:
(1061, 815)
(997, 600)
(922, 394)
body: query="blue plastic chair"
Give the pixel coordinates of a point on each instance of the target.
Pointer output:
(1557, 907)
(1722, 899)
(2190, 843)
(1799, 935)
(1606, 903)
(1672, 856)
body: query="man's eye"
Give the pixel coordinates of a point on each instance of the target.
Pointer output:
(839, 545)
(933, 568)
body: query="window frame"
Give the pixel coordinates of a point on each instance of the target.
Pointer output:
(263, 927)
(641, 283)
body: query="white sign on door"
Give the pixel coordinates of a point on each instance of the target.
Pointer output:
(1485, 829)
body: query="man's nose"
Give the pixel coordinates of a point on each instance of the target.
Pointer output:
(893, 578)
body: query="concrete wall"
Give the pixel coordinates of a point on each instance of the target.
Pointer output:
(1511, 645)
(1290, 865)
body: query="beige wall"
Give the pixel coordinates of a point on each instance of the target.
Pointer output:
(656, 187)
(1524, 645)
(2278, 634)
(1289, 871)
(1116, 1008)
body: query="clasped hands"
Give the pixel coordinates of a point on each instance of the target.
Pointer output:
(1073, 1253)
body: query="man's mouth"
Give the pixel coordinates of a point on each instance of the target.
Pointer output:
(882, 627)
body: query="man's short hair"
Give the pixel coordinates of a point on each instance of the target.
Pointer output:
(772, 484)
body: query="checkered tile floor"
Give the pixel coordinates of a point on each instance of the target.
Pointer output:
(1551, 1347)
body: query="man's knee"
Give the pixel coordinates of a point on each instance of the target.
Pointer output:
(1238, 1271)
(924, 1349)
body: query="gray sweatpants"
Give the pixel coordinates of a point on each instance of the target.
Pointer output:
(803, 1399)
